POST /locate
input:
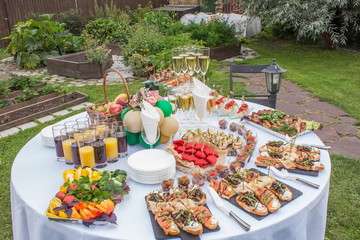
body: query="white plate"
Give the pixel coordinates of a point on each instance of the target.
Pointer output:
(151, 161)
(233, 114)
(47, 136)
(154, 180)
(149, 174)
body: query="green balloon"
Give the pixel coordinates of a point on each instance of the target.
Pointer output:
(132, 138)
(124, 112)
(145, 145)
(165, 106)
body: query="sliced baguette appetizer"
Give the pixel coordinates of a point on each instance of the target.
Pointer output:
(197, 195)
(204, 216)
(176, 194)
(249, 203)
(153, 198)
(281, 191)
(246, 174)
(309, 165)
(186, 221)
(260, 182)
(265, 160)
(232, 180)
(188, 203)
(274, 146)
(270, 201)
(166, 222)
(222, 189)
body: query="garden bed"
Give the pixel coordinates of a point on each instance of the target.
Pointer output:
(24, 112)
(224, 52)
(14, 94)
(75, 65)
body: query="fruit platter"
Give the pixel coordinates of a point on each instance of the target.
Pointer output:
(193, 156)
(180, 211)
(285, 155)
(88, 196)
(280, 124)
(254, 192)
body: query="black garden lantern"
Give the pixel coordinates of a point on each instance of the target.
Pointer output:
(273, 76)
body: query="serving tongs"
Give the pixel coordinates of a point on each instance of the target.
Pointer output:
(288, 140)
(226, 210)
(285, 175)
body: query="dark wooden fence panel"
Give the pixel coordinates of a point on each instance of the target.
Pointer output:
(14, 11)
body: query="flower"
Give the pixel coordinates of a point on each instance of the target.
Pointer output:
(151, 100)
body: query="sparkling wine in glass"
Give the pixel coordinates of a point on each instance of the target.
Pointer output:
(204, 61)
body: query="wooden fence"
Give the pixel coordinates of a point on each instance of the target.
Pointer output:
(13, 11)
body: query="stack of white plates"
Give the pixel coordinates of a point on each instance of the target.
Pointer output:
(47, 136)
(151, 166)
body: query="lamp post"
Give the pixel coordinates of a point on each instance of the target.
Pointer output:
(273, 76)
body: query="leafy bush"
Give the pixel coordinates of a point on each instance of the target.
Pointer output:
(138, 14)
(160, 19)
(33, 41)
(22, 82)
(138, 64)
(106, 30)
(96, 53)
(214, 33)
(75, 23)
(112, 12)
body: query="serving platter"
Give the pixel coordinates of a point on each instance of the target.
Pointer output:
(160, 235)
(296, 193)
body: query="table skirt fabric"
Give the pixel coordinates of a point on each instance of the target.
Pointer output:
(36, 177)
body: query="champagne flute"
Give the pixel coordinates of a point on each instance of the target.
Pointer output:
(184, 67)
(173, 100)
(177, 62)
(204, 61)
(197, 54)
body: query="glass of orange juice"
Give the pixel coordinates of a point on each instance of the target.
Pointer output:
(86, 151)
(111, 144)
(67, 136)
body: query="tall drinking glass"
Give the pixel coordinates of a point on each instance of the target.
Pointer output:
(111, 144)
(86, 150)
(99, 148)
(121, 139)
(77, 133)
(58, 142)
(67, 136)
(204, 60)
(82, 122)
(191, 65)
(173, 100)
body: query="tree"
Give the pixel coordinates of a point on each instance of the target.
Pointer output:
(330, 19)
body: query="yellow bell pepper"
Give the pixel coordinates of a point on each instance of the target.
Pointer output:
(54, 203)
(63, 189)
(95, 176)
(86, 172)
(77, 173)
(68, 175)
(62, 214)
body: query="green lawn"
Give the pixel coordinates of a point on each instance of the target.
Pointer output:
(3, 54)
(332, 76)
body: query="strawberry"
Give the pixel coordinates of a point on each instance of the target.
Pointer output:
(209, 151)
(175, 146)
(201, 162)
(199, 146)
(211, 159)
(189, 145)
(60, 195)
(181, 149)
(69, 199)
(185, 156)
(178, 142)
(190, 151)
(192, 158)
(200, 155)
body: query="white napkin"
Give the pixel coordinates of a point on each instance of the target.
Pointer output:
(150, 119)
(201, 95)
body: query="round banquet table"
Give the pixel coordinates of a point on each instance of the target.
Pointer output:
(36, 177)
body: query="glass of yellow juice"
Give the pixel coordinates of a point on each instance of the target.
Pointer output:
(67, 136)
(111, 144)
(86, 151)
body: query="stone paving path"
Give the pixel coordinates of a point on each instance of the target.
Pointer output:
(339, 130)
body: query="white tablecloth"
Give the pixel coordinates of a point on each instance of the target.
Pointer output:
(36, 177)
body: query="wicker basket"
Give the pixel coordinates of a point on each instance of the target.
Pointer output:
(111, 117)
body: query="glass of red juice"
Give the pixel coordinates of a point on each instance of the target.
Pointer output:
(99, 147)
(121, 139)
(58, 142)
